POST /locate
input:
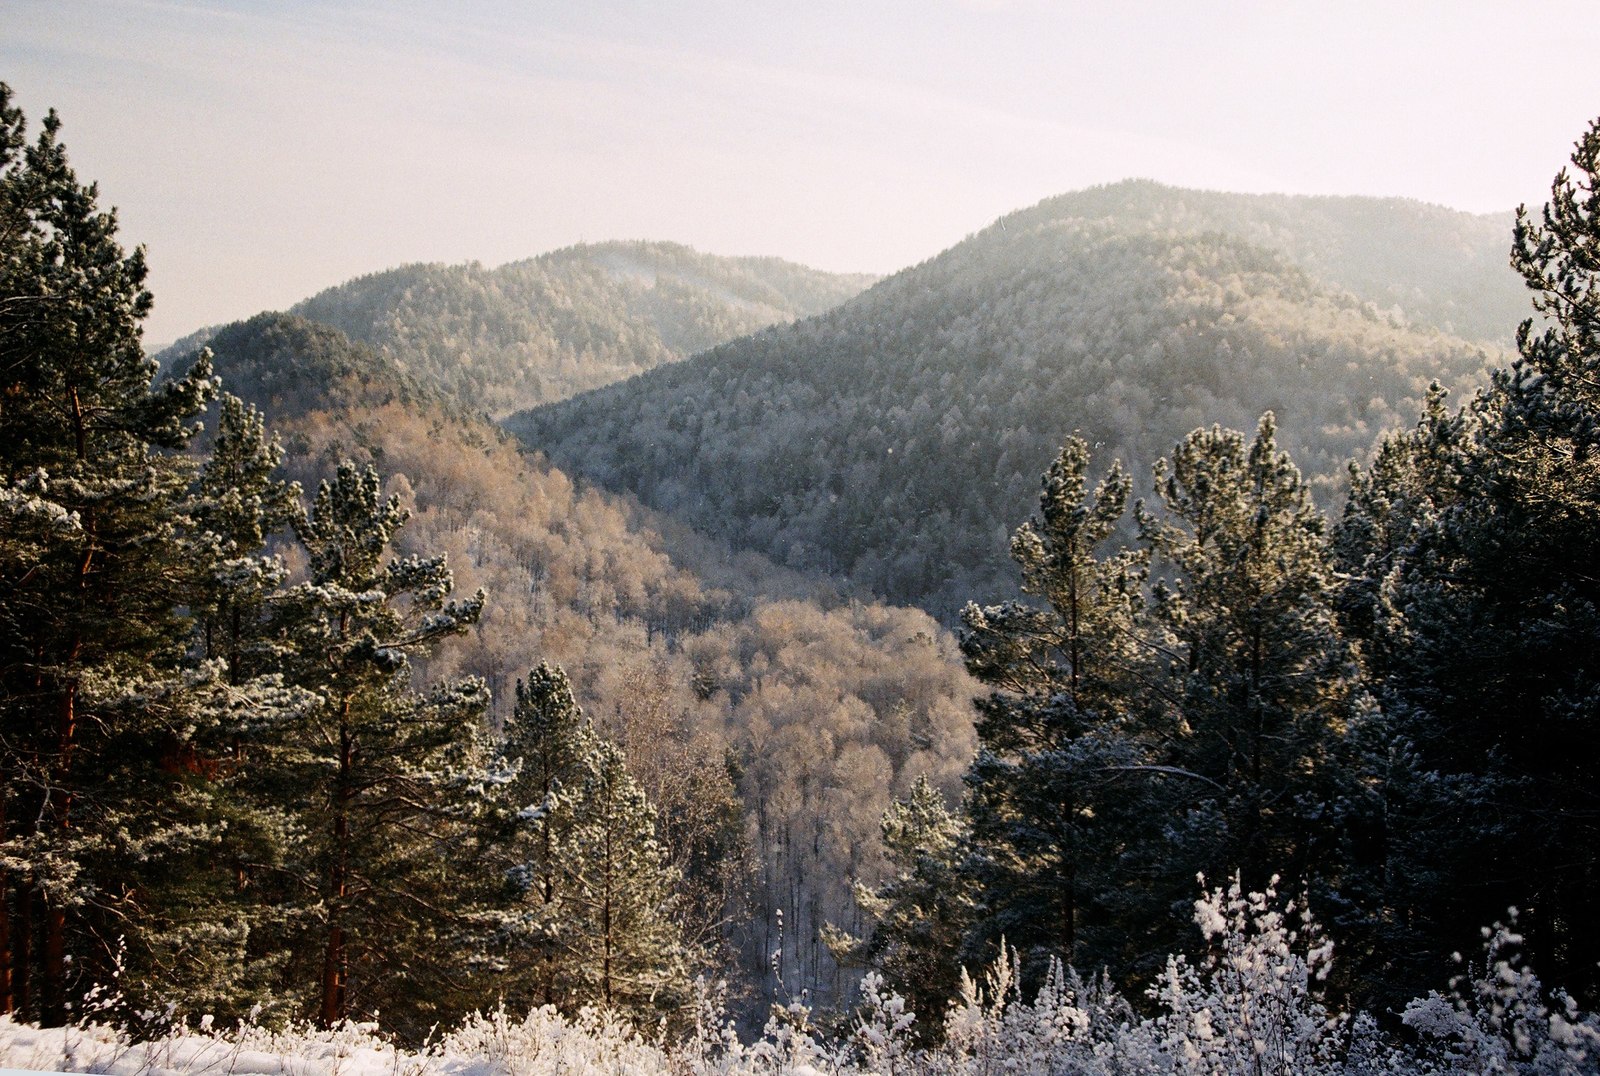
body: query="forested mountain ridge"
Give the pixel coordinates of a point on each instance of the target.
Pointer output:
(540, 330)
(895, 439)
(1440, 267)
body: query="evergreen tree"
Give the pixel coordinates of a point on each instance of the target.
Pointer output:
(107, 799)
(385, 772)
(1053, 841)
(548, 746)
(1266, 685)
(1488, 612)
(240, 503)
(622, 944)
(591, 892)
(920, 916)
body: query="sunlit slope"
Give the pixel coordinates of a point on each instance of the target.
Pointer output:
(899, 438)
(543, 329)
(1434, 267)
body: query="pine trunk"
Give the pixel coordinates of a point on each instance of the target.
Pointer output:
(53, 1006)
(7, 1000)
(336, 958)
(53, 973)
(22, 952)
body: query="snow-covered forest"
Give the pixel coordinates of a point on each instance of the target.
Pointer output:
(340, 732)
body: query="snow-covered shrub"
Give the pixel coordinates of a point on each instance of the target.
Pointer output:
(1250, 1009)
(1500, 1021)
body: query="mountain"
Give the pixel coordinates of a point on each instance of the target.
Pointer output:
(540, 330)
(897, 439)
(1425, 264)
(701, 662)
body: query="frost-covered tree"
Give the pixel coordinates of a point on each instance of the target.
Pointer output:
(383, 772)
(919, 917)
(548, 748)
(590, 918)
(109, 735)
(622, 944)
(1481, 611)
(1265, 684)
(1053, 808)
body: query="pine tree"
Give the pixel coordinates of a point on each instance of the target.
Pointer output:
(1052, 806)
(1487, 627)
(622, 946)
(385, 771)
(99, 715)
(549, 746)
(589, 920)
(920, 917)
(1266, 685)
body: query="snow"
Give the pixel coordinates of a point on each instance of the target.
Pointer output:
(1252, 1008)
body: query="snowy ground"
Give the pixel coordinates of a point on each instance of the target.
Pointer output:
(1253, 1008)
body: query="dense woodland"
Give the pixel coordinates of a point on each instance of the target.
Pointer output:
(321, 700)
(897, 439)
(537, 331)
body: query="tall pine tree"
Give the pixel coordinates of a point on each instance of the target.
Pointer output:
(384, 771)
(103, 807)
(1053, 844)
(1482, 613)
(1266, 685)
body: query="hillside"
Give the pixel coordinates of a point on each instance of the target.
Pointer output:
(1424, 264)
(700, 662)
(543, 329)
(898, 439)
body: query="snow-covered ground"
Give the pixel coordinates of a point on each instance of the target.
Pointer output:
(1253, 1008)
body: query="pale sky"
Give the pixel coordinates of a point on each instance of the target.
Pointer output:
(264, 151)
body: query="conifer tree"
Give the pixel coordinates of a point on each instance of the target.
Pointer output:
(1051, 804)
(1265, 683)
(1487, 625)
(919, 918)
(99, 716)
(385, 770)
(589, 922)
(622, 946)
(549, 747)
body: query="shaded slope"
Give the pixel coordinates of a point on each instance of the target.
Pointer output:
(899, 438)
(541, 330)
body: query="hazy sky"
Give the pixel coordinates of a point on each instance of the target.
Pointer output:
(263, 151)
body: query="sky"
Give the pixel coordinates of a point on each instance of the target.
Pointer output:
(262, 151)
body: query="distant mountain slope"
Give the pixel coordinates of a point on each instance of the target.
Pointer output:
(541, 330)
(1441, 267)
(899, 438)
(826, 707)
